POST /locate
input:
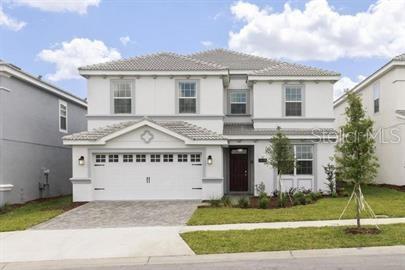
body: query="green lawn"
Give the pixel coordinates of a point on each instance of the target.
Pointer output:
(384, 201)
(206, 242)
(14, 218)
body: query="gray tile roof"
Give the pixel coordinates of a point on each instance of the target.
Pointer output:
(248, 129)
(235, 60)
(260, 65)
(400, 112)
(164, 61)
(286, 69)
(185, 129)
(400, 57)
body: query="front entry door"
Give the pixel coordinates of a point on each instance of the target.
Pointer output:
(238, 170)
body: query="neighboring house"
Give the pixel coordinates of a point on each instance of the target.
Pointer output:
(34, 115)
(383, 96)
(169, 126)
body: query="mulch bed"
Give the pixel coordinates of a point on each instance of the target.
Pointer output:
(362, 230)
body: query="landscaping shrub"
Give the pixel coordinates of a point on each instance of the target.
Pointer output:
(315, 195)
(308, 199)
(299, 198)
(215, 202)
(226, 201)
(261, 189)
(264, 202)
(243, 202)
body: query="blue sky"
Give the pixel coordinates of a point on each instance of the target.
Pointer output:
(188, 26)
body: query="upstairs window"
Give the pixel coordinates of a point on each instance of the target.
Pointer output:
(122, 96)
(187, 96)
(238, 100)
(376, 94)
(293, 100)
(62, 116)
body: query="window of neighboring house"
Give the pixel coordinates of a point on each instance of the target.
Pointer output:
(293, 100)
(376, 94)
(63, 116)
(122, 96)
(238, 102)
(304, 159)
(187, 96)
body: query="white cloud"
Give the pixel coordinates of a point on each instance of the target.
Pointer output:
(77, 6)
(78, 52)
(207, 43)
(319, 32)
(125, 40)
(10, 23)
(345, 83)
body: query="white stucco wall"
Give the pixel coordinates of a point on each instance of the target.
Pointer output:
(390, 149)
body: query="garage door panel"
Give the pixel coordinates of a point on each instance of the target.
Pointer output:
(147, 180)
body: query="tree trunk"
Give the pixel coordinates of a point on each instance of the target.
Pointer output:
(279, 187)
(358, 203)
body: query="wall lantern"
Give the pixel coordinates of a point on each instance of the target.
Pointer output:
(81, 160)
(209, 160)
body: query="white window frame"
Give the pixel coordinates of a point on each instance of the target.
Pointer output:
(140, 158)
(127, 158)
(113, 98)
(155, 158)
(196, 97)
(195, 157)
(303, 159)
(230, 102)
(63, 103)
(302, 101)
(101, 158)
(113, 158)
(168, 158)
(376, 96)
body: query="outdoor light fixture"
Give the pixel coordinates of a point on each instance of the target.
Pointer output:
(209, 160)
(81, 160)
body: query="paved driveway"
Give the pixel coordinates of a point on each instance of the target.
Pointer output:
(115, 214)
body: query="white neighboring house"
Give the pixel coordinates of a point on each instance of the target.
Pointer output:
(383, 96)
(169, 126)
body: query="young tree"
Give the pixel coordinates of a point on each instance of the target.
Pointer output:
(355, 151)
(280, 157)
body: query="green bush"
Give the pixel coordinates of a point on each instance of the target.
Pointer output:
(243, 202)
(315, 195)
(226, 201)
(309, 199)
(299, 198)
(264, 202)
(215, 202)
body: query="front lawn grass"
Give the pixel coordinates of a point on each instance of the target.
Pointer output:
(208, 242)
(21, 217)
(384, 201)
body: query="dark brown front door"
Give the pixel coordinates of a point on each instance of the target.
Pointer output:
(238, 170)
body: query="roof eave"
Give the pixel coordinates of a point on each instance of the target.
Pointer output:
(24, 76)
(333, 78)
(86, 73)
(380, 72)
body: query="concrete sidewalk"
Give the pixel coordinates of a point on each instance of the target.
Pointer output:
(44, 245)
(177, 260)
(292, 224)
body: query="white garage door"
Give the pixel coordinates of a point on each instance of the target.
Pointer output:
(147, 176)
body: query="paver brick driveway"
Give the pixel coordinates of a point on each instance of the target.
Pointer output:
(113, 214)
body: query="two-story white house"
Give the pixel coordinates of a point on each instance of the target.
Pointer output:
(169, 126)
(383, 97)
